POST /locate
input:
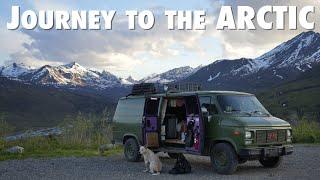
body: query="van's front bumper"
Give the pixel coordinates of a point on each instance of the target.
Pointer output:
(262, 152)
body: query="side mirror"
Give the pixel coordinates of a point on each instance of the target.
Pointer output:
(228, 109)
(204, 109)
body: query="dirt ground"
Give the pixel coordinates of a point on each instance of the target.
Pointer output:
(302, 164)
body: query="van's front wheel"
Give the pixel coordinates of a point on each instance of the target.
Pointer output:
(271, 162)
(131, 150)
(223, 158)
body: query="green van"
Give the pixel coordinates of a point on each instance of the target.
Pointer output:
(230, 127)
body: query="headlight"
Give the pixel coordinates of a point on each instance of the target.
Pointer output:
(289, 133)
(248, 135)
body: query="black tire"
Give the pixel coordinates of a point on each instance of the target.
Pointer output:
(174, 155)
(223, 158)
(271, 162)
(242, 161)
(131, 150)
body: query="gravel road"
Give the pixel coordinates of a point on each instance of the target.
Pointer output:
(303, 164)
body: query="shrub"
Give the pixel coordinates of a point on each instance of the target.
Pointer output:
(86, 131)
(306, 132)
(81, 136)
(5, 128)
(2, 144)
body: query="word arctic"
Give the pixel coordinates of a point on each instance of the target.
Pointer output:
(61, 19)
(266, 17)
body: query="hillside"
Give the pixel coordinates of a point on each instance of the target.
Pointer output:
(286, 79)
(297, 98)
(30, 106)
(282, 64)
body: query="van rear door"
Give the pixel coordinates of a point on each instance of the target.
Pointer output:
(150, 122)
(127, 118)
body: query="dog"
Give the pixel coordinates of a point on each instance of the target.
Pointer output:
(151, 161)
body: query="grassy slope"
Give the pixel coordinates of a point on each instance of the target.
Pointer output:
(27, 106)
(301, 96)
(59, 152)
(81, 138)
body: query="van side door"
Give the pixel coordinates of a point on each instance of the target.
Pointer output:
(209, 113)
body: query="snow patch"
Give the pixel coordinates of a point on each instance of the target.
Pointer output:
(15, 70)
(279, 76)
(213, 78)
(171, 75)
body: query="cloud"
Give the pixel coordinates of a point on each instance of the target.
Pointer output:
(49, 5)
(12, 41)
(253, 43)
(118, 49)
(121, 50)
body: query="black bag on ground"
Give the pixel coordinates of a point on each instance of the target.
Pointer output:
(189, 141)
(182, 166)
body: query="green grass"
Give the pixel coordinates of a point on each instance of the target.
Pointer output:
(306, 132)
(59, 153)
(50, 148)
(81, 138)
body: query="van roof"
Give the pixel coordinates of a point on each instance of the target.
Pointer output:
(187, 93)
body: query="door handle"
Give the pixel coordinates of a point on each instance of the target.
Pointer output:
(143, 122)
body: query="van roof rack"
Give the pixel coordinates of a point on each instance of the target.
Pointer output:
(153, 88)
(183, 87)
(145, 88)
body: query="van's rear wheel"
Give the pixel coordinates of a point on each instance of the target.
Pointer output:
(271, 162)
(242, 161)
(223, 158)
(131, 150)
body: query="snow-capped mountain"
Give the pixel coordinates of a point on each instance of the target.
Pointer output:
(14, 70)
(283, 63)
(173, 75)
(75, 75)
(71, 75)
(129, 80)
(298, 53)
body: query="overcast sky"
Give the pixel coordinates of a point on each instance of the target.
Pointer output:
(139, 52)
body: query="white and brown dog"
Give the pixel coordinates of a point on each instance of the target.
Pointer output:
(151, 161)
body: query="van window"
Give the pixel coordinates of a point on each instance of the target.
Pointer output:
(241, 104)
(129, 110)
(207, 105)
(151, 108)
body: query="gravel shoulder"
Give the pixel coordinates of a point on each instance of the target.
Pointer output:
(302, 164)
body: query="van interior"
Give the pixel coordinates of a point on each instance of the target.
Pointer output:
(178, 125)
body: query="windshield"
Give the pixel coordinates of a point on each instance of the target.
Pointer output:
(245, 104)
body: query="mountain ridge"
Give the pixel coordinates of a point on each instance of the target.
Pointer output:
(285, 79)
(173, 75)
(74, 75)
(283, 63)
